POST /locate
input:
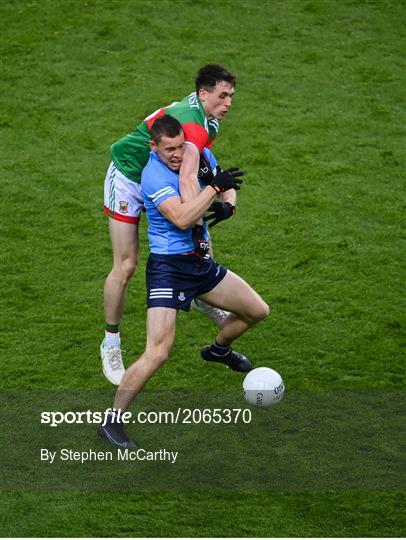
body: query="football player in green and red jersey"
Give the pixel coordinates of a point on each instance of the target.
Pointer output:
(199, 114)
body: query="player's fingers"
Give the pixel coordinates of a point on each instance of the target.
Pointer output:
(214, 222)
(214, 205)
(238, 173)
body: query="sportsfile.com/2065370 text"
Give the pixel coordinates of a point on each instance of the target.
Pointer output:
(178, 416)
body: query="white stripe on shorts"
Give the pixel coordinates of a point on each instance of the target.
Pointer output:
(163, 289)
(112, 195)
(163, 292)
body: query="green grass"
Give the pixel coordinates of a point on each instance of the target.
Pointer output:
(228, 515)
(318, 125)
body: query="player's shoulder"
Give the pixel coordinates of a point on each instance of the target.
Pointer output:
(156, 173)
(153, 165)
(158, 182)
(187, 110)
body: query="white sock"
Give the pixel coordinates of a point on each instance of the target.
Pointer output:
(112, 339)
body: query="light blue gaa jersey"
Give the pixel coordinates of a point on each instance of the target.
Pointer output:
(158, 183)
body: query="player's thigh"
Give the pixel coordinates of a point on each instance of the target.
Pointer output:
(235, 295)
(161, 330)
(123, 203)
(124, 239)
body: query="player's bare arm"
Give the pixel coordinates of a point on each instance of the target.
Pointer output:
(171, 151)
(188, 183)
(229, 196)
(185, 214)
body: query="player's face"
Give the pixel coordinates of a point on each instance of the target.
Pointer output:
(170, 150)
(217, 102)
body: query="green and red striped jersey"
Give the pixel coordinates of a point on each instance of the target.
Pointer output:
(131, 153)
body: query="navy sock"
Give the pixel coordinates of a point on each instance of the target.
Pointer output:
(220, 350)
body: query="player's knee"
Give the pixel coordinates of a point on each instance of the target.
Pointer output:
(126, 269)
(265, 310)
(161, 357)
(259, 312)
(158, 355)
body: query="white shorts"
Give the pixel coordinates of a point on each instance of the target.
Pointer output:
(122, 197)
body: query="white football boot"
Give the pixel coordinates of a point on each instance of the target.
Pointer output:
(113, 367)
(216, 315)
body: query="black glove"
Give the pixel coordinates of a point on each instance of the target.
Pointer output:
(199, 241)
(227, 179)
(205, 174)
(220, 212)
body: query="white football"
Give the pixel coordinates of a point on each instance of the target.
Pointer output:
(263, 387)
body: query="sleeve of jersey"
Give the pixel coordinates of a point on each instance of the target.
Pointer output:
(196, 134)
(158, 186)
(208, 154)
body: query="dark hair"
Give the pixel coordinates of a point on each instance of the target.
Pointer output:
(165, 126)
(211, 74)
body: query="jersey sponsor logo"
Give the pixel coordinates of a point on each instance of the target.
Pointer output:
(123, 209)
(204, 169)
(193, 101)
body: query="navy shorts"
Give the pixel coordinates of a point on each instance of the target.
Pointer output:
(175, 280)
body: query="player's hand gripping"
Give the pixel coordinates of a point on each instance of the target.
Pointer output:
(227, 179)
(219, 212)
(199, 241)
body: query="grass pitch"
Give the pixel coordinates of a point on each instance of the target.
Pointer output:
(318, 125)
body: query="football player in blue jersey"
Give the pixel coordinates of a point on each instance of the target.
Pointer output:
(177, 273)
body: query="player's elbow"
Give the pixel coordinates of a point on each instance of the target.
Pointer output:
(183, 224)
(180, 218)
(176, 217)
